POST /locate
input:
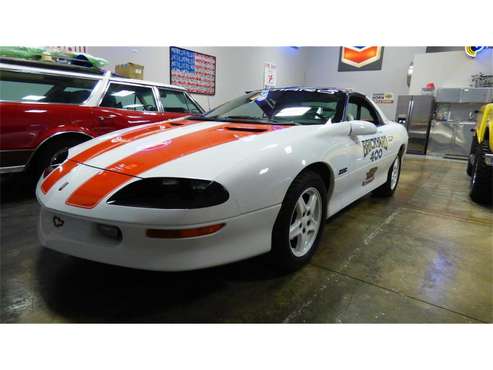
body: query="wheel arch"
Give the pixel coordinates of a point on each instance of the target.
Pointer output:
(402, 150)
(59, 136)
(325, 172)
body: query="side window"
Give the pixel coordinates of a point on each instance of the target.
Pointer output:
(139, 98)
(360, 109)
(352, 111)
(367, 116)
(36, 87)
(176, 101)
(193, 108)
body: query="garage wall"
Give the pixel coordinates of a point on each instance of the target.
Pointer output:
(238, 68)
(321, 70)
(449, 69)
(241, 68)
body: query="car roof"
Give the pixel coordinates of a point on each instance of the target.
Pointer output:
(92, 71)
(118, 78)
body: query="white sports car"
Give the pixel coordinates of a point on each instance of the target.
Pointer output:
(259, 174)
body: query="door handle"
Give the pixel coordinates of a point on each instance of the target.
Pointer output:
(101, 118)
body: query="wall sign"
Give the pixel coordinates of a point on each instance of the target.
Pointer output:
(270, 75)
(383, 98)
(360, 58)
(473, 51)
(194, 71)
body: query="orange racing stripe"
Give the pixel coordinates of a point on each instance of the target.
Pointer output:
(90, 193)
(105, 146)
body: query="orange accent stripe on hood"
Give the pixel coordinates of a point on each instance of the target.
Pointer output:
(89, 194)
(106, 146)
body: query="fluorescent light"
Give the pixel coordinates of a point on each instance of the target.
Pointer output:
(292, 111)
(33, 97)
(123, 93)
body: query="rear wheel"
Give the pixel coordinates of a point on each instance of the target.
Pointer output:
(482, 179)
(299, 225)
(393, 175)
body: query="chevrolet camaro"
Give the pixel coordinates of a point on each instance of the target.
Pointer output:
(258, 174)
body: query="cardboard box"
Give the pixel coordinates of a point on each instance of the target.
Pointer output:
(130, 70)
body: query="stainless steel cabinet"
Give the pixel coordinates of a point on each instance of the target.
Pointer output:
(415, 111)
(450, 139)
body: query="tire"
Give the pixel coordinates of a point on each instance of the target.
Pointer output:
(290, 254)
(388, 189)
(44, 155)
(472, 156)
(482, 179)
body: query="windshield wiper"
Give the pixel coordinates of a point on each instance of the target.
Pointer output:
(265, 121)
(247, 119)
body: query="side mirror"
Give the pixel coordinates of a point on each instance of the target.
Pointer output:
(362, 128)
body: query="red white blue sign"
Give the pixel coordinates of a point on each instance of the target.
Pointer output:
(194, 71)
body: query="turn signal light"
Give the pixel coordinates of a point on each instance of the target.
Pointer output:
(183, 233)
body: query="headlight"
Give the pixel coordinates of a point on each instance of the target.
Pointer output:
(170, 193)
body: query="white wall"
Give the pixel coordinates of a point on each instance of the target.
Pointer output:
(238, 68)
(449, 69)
(322, 64)
(241, 68)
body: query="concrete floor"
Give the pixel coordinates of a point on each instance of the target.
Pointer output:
(426, 255)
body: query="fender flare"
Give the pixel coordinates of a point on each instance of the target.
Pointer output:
(56, 136)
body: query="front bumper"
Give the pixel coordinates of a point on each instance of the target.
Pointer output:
(242, 237)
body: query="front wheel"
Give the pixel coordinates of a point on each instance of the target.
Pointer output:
(393, 175)
(482, 177)
(299, 225)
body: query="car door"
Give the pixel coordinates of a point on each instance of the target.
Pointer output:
(370, 154)
(37, 105)
(124, 105)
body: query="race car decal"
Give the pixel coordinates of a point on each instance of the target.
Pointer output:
(90, 193)
(107, 145)
(375, 147)
(370, 176)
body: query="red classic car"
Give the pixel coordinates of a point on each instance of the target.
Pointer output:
(46, 108)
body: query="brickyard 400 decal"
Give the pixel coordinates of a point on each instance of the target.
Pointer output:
(375, 147)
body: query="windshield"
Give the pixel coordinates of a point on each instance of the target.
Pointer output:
(282, 106)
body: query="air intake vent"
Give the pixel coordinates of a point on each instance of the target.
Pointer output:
(246, 129)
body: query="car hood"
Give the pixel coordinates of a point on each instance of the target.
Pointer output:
(186, 148)
(149, 149)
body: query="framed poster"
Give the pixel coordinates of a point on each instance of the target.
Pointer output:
(194, 71)
(360, 58)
